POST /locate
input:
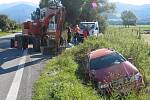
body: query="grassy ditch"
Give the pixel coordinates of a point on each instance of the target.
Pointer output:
(63, 77)
(59, 81)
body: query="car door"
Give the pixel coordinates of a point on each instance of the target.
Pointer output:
(87, 66)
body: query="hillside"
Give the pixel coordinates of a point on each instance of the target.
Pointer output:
(141, 11)
(19, 12)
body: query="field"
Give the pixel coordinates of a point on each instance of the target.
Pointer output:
(146, 37)
(64, 79)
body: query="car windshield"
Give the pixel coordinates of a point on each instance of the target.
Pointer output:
(87, 25)
(106, 61)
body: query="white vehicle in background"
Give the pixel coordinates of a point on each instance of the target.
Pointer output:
(91, 26)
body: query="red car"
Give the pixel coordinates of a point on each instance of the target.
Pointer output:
(111, 71)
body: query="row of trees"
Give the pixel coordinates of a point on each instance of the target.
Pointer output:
(7, 24)
(83, 10)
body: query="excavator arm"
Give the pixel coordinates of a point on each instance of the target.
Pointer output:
(59, 14)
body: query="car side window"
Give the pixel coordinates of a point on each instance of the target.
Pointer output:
(122, 56)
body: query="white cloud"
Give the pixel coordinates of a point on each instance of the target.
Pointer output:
(135, 2)
(11, 1)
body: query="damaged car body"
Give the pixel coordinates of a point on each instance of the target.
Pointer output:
(110, 72)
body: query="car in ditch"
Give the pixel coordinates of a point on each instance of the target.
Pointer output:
(110, 71)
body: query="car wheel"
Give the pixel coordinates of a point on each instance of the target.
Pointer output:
(120, 96)
(106, 95)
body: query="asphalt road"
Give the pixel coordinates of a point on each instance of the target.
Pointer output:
(19, 69)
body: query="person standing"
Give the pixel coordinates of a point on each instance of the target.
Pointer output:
(69, 34)
(85, 33)
(77, 33)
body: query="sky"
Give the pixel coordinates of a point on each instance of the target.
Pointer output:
(11, 1)
(135, 2)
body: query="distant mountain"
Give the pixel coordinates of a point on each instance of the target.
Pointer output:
(141, 11)
(20, 11)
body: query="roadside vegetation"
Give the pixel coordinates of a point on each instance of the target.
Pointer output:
(146, 37)
(3, 33)
(60, 80)
(10, 32)
(63, 77)
(7, 25)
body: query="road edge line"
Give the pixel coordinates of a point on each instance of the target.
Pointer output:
(14, 89)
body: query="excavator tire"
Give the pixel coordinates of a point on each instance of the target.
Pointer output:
(12, 43)
(36, 44)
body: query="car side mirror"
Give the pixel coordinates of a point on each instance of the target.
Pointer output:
(130, 60)
(96, 28)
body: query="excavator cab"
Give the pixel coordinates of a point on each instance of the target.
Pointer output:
(52, 25)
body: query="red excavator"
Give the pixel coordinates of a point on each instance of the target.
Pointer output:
(45, 33)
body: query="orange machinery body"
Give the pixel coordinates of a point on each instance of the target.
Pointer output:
(36, 27)
(32, 28)
(44, 33)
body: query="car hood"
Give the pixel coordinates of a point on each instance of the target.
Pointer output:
(114, 72)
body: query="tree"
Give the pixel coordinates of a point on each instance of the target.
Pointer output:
(7, 24)
(46, 3)
(3, 22)
(81, 10)
(36, 14)
(73, 10)
(128, 18)
(91, 13)
(43, 3)
(100, 13)
(12, 25)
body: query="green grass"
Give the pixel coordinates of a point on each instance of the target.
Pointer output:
(142, 26)
(135, 28)
(63, 77)
(10, 32)
(146, 37)
(4, 33)
(59, 81)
